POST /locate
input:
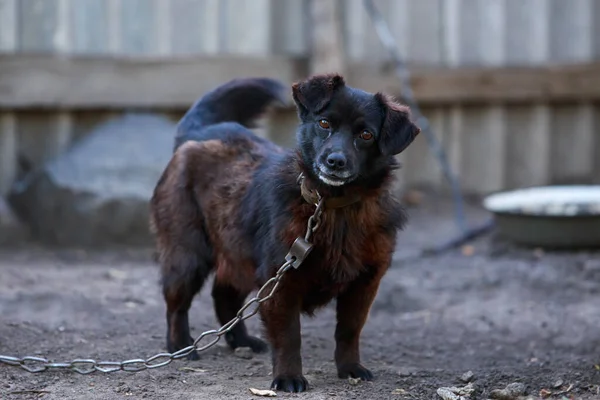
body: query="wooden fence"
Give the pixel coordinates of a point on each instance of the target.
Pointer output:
(511, 86)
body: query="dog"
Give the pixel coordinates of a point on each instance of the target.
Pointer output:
(229, 202)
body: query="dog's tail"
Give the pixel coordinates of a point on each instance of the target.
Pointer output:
(240, 100)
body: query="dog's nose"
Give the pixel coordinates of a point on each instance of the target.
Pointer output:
(336, 160)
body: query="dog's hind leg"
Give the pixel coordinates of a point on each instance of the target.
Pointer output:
(178, 296)
(184, 272)
(228, 301)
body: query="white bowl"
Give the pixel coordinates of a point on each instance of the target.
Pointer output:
(547, 201)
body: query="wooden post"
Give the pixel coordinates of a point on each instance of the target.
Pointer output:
(326, 56)
(327, 44)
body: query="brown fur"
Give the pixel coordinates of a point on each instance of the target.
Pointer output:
(201, 210)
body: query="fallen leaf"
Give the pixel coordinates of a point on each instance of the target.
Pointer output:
(263, 393)
(400, 392)
(567, 390)
(545, 393)
(354, 381)
(116, 274)
(468, 250)
(191, 369)
(413, 198)
(597, 366)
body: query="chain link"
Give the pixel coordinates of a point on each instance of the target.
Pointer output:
(88, 366)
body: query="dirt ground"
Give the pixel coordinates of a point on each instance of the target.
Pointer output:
(507, 314)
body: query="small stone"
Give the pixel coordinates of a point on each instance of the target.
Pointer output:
(456, 393)
(558, 384)
(516, 388)
(511, 392)
(244, 352)
(447, 394)
(467, 377)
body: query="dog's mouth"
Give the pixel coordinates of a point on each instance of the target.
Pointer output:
(333, 178)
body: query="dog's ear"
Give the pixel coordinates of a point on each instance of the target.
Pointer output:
(313, 94)
(398, 131)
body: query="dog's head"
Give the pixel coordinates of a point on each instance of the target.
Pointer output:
(348, 135)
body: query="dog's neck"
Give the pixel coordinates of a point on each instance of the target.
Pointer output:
(312, 196)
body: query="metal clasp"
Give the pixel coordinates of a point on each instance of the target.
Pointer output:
(300, 249)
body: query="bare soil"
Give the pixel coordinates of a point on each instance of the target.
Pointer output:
(507, 314)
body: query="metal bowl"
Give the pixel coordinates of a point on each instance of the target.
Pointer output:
(549, 216)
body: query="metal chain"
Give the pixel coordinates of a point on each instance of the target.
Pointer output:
(298, 252)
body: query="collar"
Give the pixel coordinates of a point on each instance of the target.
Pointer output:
(312, 196)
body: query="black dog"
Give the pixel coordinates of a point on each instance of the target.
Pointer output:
(230, 202)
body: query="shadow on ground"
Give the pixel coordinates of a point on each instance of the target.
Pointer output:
(506, 314)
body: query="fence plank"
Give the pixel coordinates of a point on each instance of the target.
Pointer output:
(195, 26)
(89, 19)
(80, 83)
(44, 26)
(528, 127)
(138, 31)
(476, 85)
(8, 134)
(290, 19)
(248, 27)
(479, 30)
(8, 151)
(34, 81)
(419, 165)
(327, 45)
(572, 41)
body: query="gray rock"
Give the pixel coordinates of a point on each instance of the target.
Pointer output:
(11, 229)
(511, 392)
(97, 192)
(467, 377)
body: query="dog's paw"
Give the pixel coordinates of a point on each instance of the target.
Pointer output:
(193, 356)
(292, 384)
(257, 345)
(173, 347)
(355, 371)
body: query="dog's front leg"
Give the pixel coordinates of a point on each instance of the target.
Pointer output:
(281, 316)
(353, 307)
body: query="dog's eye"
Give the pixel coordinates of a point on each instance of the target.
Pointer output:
(323, 123)
(366, 135)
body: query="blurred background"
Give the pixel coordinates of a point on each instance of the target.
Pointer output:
(90, 91)
(90, 95)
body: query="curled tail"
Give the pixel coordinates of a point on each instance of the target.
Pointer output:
(240, 100)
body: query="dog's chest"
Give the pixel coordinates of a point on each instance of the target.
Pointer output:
(325, 278)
